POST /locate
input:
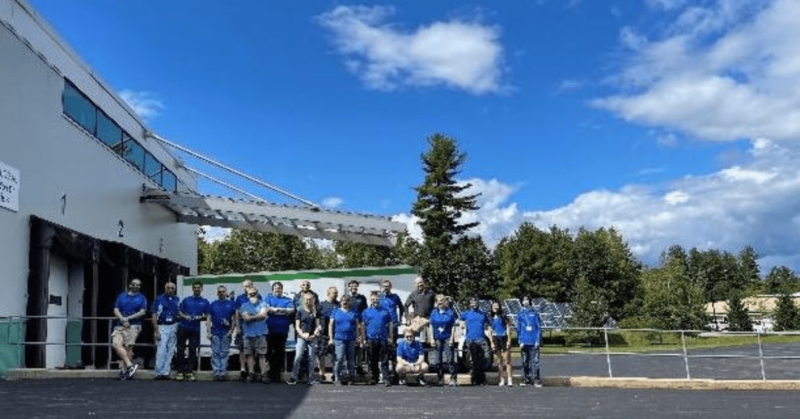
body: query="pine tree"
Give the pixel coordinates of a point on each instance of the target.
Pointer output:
(738, 315)
(787, 316)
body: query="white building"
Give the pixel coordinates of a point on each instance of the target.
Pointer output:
(89, 199)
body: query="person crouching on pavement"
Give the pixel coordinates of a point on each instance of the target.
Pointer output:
(342, 329)
(222, 314)
(411, 358)
(529, 334)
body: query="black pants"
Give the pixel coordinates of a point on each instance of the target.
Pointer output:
(477, 353)
(187, 362)
(276, 354)
(444, 359)
(378, 352)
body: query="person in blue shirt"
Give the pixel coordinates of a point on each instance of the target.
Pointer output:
(253, 315)
(442, 326)
(343, 329)
(477, 332)
(379, 334)
(326, 308)
(129, 308)
(281, 312)
(411, 358)
(191, 310)
(391, 302)
(502, 342)
(165, 327)
(529, 334)
(222, 316)
(239, 340)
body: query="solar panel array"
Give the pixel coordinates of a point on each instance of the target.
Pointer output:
(553, 315)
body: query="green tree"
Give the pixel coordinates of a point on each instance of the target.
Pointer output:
(440, 204)
(781, 280)
(670, 299)
(590, 309)
(787, 316)
(256, 251)
(738, 315)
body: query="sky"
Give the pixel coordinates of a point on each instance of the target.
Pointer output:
(673, 121)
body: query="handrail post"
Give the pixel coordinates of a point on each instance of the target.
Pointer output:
(685, 355)
(761, 357)
(608, 353)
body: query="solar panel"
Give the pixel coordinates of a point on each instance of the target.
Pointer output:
(512, 306)
(485, 306)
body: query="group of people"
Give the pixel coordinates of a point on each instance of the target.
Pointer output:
(352, 328)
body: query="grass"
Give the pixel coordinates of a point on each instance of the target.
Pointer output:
(638, 341)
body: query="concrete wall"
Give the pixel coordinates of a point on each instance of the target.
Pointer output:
(67, 176)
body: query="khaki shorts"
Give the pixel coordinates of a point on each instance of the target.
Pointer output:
(256, 344)
(125, 336)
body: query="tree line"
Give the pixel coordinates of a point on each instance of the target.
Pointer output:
(594, 270)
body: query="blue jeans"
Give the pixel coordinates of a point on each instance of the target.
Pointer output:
(530, 362)
(220, 349)
(443, 359)
(301, 346)
(165, 347)
(345, 353)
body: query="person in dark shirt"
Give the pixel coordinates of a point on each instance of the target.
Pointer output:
(192, 310)
(323, 347)
(281, 312)
(419, 305)
(306, 326)
(391, 302)
(358, 304)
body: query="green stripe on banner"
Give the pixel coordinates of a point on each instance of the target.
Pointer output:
(294, 275)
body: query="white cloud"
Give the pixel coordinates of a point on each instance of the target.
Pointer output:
(724, 72)
(145, 104)
(332, 202)
(454, 53)
(215, 234)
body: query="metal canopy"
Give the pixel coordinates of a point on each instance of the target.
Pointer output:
(276, 218)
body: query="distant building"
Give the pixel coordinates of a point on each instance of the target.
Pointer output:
(760, 307)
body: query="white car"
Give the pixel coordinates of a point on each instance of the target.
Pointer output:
(763, 326)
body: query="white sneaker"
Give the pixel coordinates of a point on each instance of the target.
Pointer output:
(510, 382)
(502, 382)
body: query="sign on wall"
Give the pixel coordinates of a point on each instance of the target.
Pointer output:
(9, 187)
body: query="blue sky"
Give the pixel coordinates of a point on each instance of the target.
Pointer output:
(673, 120)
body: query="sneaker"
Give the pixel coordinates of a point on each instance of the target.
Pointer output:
(180, 376)
(337, 383)
(291, 381)
(422, 381)
(510, 383)
(130, 371)
(243, 376)
(190, 377)
(453, 382)
(122, 376)
(537, 382)
(312, 383)
(387, 384)
(502, 382)
(402, 381)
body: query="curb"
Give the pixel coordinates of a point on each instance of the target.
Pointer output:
(463, 379)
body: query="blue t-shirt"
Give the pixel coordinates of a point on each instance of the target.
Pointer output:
(474, 321)
(391, 302)
(253, 328)
(221, 312)
(193, 307)
(166, 308)
(279, 323)
(499, 326)
(243, 298)
(376, 321)
(344, 326)
(442, 323)
(529, 327)
(129, 305)
(410, 351)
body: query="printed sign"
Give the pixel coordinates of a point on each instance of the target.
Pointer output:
(9, 187)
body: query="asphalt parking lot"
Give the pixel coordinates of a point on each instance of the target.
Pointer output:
(212, 400)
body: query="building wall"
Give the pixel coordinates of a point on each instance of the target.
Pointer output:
(67, 176)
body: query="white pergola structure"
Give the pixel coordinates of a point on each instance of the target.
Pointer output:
(302, 221)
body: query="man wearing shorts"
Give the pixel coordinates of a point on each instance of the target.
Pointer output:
(129, 309)
(253, 315)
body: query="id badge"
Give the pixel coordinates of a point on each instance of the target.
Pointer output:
(441, 330)
(168, 319)
(529, 328)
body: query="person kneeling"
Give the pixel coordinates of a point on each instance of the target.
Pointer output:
(411, 358)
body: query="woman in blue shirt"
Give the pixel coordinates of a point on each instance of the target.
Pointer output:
(502, 342)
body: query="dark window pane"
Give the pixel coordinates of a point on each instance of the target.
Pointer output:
(78, 107)
(168, 181)
(121, 148)
(152, 167)
(134, 153)
(107, 130)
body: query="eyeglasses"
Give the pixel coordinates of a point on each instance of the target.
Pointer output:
(252, 295)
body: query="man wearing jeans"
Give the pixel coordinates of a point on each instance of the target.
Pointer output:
(306, 326)
(192, 310)
(342, 330)
(442, 324)
(222, 313)
(529, 334)
(165, 325)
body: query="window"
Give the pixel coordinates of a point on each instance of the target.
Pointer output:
(134, 153)
(152, 167)
(168, 180)
(79, 108)
(108, 131)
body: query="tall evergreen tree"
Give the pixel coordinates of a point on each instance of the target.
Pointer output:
(787, 316)
(738, 315)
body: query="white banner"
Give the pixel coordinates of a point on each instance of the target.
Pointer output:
(9, 187)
